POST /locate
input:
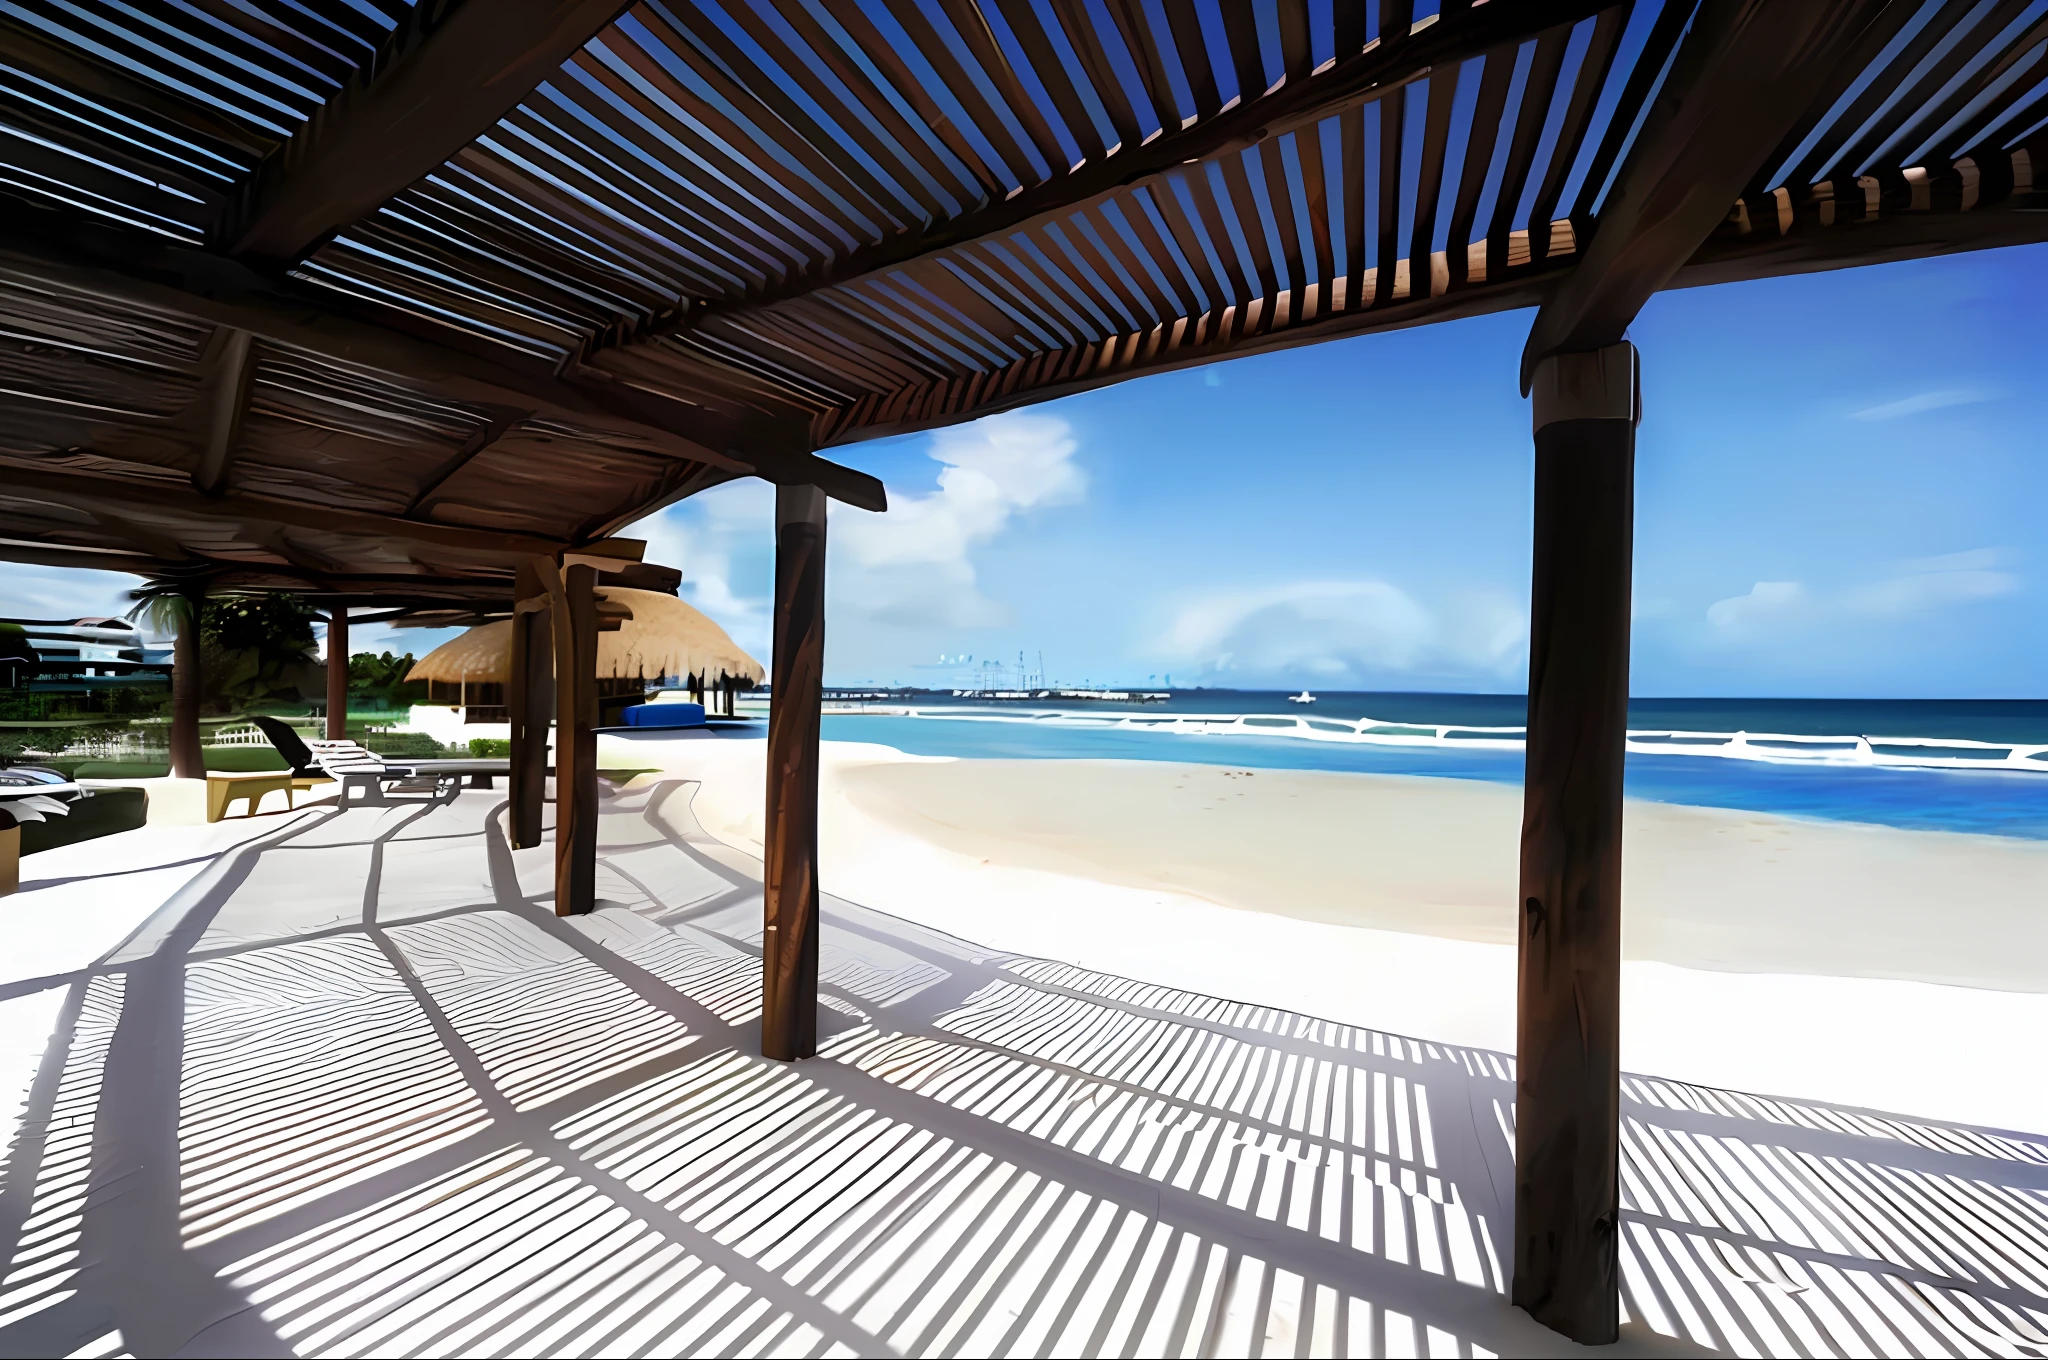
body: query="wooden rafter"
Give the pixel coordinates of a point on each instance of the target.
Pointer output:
(1089, 366)
(126, 271)
(72, 488)
(484, 589)
(450, 84)
(230, 367)
(679, 484)
(1393, 61)
(1979, 202)
(113, 83)
(1741, 79)
(48, 554)
(712, 245)
(480, 440)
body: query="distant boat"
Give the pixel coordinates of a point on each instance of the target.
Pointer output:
(1302, 698)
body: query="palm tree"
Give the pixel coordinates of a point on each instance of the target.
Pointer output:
(173, 607)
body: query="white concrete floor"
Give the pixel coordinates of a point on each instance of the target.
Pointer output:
(341, 1083)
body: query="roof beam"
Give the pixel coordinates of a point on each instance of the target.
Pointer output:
(1173, 347)
(452, 83)
(36, 554)
(679, 485)
(129, 269)
(1742, 77)
(231, 367)
(1385, 65)
(157, 544)
(480, 439)
(1879, 219)
(86, 490)
(2005, 211)
(493, 587)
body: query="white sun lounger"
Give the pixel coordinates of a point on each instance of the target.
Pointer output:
(364, 776)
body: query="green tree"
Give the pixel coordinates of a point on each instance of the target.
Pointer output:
(171, 608)
(256, 649)
(382, 678)
(18, 660)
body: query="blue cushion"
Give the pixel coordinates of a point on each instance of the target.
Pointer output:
(665, 715)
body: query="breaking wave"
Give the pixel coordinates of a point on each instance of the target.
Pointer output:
(1771, 748)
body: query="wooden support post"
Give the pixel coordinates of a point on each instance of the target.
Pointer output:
(789, 953)
(575, 637)
(529, 699)
(1567, 1106)
(10, 854)
(186, 760)
(337, 673)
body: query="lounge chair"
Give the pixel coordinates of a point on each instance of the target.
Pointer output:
(305, 767)
(372, 781)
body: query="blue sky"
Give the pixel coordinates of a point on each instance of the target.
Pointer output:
(1842, 491)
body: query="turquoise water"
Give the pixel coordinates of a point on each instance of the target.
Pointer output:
(2024, 720)
(1983, 801)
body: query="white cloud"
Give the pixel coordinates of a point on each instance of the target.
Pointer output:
(1976, 559)
(1767, 603)
(1346, 631)
(704, 538)
(63, 592)
(914, 564)
(1779, 608)
(1921, 401)
(1929, 582)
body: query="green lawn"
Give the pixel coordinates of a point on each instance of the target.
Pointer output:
(228, 759)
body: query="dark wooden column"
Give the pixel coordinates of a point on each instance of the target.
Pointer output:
(789, 948)
(530, 700)
(186, 760)
(337, 673)
(575, 636)
(1567, 1106)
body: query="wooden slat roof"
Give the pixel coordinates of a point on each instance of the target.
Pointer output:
(352, 293)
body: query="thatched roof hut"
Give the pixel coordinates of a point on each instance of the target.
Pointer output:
(661, 637)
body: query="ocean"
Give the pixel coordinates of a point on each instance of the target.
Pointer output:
(1773, 775)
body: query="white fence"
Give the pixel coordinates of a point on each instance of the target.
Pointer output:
(248, 734)
(144, 739)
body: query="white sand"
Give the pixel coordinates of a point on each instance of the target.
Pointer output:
(1898, 970)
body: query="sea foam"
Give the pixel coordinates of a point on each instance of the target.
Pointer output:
(1771, 748)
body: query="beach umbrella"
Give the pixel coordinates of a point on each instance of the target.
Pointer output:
(659, 636)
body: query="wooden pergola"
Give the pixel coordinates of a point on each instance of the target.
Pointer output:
(415, 306)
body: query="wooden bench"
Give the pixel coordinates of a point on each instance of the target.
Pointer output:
(223, 790)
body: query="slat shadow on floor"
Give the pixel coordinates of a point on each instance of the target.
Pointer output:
(356, 1090)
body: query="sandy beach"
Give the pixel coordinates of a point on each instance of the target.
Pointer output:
(1897, 970)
